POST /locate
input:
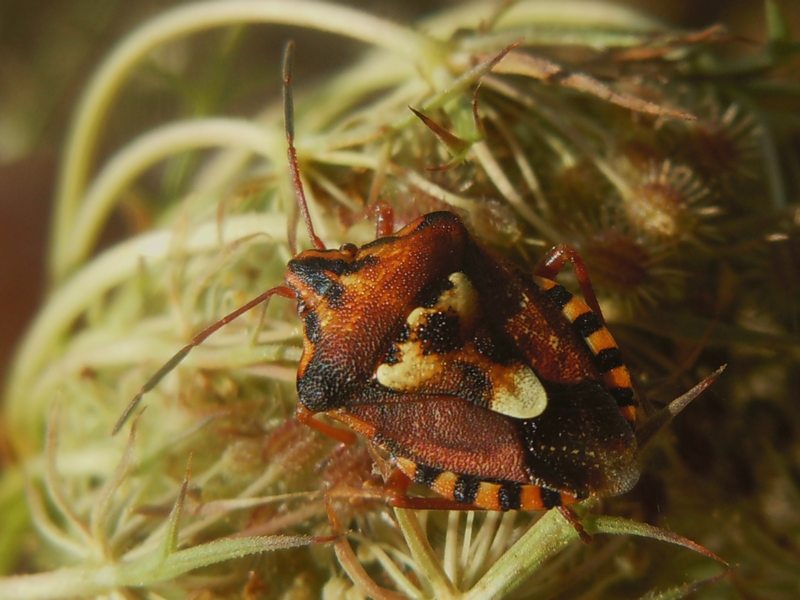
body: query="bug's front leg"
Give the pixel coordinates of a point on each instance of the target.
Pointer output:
(384, 219)
(554, 261)
(306, 417)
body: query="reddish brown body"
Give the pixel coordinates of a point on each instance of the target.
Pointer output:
(493, 387)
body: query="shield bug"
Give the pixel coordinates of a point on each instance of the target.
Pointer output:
(496, 388)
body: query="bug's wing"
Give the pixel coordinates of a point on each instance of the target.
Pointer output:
(443, 432)
(580, 444)
(582, 441)
(447, 347)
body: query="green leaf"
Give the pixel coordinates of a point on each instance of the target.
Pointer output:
(102, 578)
(620, 526)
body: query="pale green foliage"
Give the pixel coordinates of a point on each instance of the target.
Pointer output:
(599, 128)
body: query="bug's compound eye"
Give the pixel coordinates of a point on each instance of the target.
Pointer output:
(348, 248)
(302, 308)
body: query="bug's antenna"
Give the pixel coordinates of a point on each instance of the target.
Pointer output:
(280, 290)
(198, 339)
(288, 117)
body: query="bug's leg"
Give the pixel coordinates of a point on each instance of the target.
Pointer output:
(306, 417)
(384, 219)
(554, 261)
(198, 339)
(349, 483)
(333, 518)
(349, 561)
(575, 521)
(398, 483)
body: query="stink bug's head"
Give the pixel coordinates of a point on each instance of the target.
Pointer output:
(360, 299)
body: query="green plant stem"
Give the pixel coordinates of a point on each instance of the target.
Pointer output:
(144, 152)
(579, 14)
(428, 564)
(182, 21)
(102, 578)
(546, 538)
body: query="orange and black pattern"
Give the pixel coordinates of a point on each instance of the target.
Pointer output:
(494, 388)
(607, 357)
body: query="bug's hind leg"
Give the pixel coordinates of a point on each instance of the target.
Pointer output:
(574, 520)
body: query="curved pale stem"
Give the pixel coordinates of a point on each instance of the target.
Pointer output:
(108, 270)
(146, 151)
(182, 21)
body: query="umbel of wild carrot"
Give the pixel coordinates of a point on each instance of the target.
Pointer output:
(600, 129)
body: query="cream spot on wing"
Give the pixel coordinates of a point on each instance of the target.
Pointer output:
(417, 317)
(519, 394)
(461, 299)
(514, 390)
(414, 367)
